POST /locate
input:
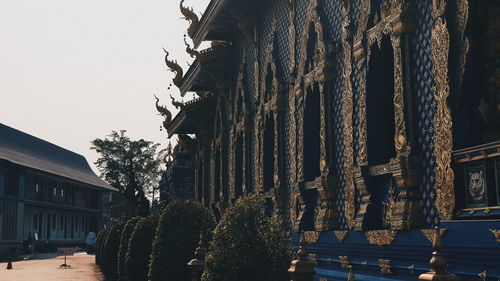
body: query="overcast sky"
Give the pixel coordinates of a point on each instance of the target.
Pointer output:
(72, 71)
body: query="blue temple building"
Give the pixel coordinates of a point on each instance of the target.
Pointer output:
(372, 126)
(47, 192)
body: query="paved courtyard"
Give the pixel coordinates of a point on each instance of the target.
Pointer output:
(82, 268)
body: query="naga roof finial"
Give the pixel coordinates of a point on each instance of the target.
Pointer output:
(164, 112)
(190, 16)
(176, 103)
(174, 67)
(192, 52)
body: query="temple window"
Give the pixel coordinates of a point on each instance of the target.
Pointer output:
(380, 106)
(311, 49)
(217, 186)
(269, 153)
(380, 132)
(312, 141)
(238, 179)
(199, 181)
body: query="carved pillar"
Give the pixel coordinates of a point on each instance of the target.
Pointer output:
(297, 209)
(443, 139)
(212, 173)
(366, 198)
(407, 211)
(326, 214)
(232, 163)
(258, 152)
(360, 57)
(347, 113)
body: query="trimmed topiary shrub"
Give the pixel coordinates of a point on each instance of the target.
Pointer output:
(110, 252)
(139, 249)
(247, 245)
(101, 238)
(176, 240)
(128, 229)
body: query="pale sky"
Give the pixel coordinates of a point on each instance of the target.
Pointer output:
(72, 71)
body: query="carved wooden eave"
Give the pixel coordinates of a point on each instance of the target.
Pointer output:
(199, 76)
(193, 116)
(222, 18)
(207, 29)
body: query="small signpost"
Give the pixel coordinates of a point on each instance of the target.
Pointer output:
(66, 252)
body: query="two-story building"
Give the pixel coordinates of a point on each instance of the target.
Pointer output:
(47, 191)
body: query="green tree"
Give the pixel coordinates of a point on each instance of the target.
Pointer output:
(131, 166)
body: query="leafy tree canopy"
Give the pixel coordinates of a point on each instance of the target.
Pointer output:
(131, 166)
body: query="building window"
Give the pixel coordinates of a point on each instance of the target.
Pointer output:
(62, 193)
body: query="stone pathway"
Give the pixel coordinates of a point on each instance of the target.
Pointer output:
(82, 268)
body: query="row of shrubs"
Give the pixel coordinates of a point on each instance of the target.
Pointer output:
(245, 245)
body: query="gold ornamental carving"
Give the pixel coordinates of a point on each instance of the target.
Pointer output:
(430, 234)
(311, 237)
(291, 37)
(385, 266)
(445, 200)
(341, 235)
(344, 262)
(347, 111)
(381, 237)
(496, 233)
(400, 139)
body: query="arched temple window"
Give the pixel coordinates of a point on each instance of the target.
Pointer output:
(380, 132)
(199, 181)
(380, 105)
(312, 125)
(217, 174)
(269, 153)
(238, 179)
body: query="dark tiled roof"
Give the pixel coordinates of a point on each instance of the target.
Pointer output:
(29, 151)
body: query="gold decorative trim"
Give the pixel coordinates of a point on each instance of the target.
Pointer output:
(341, 235)
(291, 37)
(347, 111)
(400, 138)
(440, 42)
(313, 258)
(385, 266)
(431, 233)
(364, 16)
(496, 233)
(381, 237)
(311, 237)
(344, 262)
